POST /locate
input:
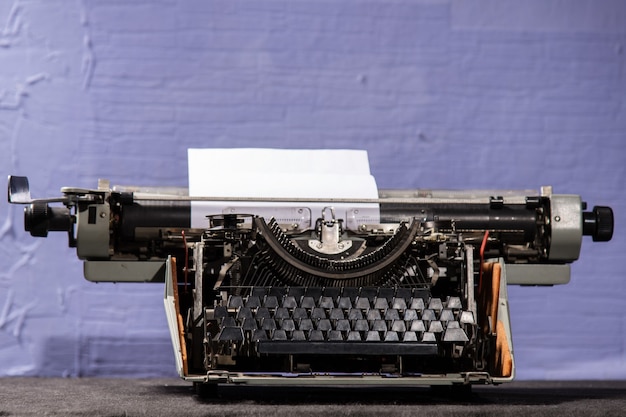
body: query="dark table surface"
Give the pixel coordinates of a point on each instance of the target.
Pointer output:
(167, 397)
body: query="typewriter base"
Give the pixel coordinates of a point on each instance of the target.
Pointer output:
(472, 378)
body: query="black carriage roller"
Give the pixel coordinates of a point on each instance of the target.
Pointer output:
(40, 218)
(598, 223)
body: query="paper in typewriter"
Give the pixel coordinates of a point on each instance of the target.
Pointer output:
(283, 174)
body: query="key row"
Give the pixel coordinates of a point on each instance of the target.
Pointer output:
(343, 302)
(343, 325)
(319, 313)
(237, 334)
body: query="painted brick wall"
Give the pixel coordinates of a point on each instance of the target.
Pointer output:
(442, 93)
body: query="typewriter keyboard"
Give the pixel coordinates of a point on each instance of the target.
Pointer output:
(374, 321)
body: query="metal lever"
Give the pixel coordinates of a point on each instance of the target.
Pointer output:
(18, 192)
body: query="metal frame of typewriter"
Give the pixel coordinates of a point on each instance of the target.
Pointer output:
(419, 298)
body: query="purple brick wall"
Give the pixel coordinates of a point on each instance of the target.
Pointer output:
(442, 93)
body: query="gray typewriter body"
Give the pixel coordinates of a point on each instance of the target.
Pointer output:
(289, 295)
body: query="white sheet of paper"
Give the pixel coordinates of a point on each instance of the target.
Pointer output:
(280, 173)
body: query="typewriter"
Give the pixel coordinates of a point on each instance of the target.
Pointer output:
(280, 291)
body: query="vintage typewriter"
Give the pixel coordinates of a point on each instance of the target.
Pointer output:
(295, 295)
